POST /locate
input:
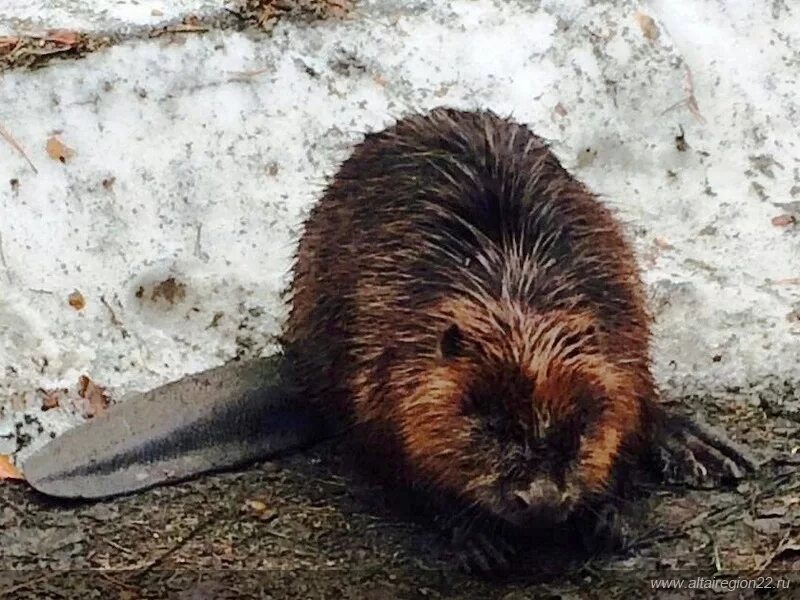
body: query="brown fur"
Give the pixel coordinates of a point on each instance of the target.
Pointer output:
(477, 314)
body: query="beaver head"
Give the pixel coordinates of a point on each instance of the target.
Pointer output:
(519, 412)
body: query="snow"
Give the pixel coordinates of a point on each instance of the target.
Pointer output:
(213, 147)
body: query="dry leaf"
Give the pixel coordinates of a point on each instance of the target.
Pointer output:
(63, 36)
(186, 28)
(170, 289)
(58, 151)
(7, 43)
(680, 141)
(50, 399)
(96, 395)
(784, 220)
(662, 243)
(647, 25)
(76, 300)
(8, 470)
(190, 24)
(560, 110)
(223, 550)
(260, 509)
(339, 8)
(256, 505)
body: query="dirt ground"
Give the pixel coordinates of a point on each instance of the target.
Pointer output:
(305, 526)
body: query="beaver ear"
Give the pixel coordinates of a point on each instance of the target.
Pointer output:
(451, 342)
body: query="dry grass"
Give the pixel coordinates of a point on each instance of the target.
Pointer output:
(266, 13)
(35, 50)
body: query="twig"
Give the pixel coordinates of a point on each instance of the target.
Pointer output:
(14, 144)
(690, 101)
(198, 245)
(786, 281)
(188, 25)
(115, 582)
(714, 551)
(169, 552)
(3, 260)
(114, 320)
(6, 593)
(245, 75)
(119, 547)
(782, 545)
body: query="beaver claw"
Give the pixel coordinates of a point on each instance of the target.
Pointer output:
(604, 530)
(477, 554)
(689, 452)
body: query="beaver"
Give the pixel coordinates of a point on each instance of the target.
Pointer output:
(475, 315)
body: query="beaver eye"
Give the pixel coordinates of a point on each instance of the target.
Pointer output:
(470, 404)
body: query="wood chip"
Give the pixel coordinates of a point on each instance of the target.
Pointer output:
(76, 300)
(57, 150)
(8, 470)
(784, 220)
(648, 26)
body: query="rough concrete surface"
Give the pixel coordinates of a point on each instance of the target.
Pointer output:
(195, 156)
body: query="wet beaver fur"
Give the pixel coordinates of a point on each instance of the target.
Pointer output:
(476, 315)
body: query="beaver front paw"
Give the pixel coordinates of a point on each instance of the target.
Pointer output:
(603, 529)
(689, 452)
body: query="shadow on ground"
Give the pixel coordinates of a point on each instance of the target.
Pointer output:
(305, 527)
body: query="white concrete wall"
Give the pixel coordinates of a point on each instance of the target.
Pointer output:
(213, 171)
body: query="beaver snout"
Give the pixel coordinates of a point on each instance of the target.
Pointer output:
(542, 501)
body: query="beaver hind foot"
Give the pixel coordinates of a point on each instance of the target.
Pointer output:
(690, 452)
